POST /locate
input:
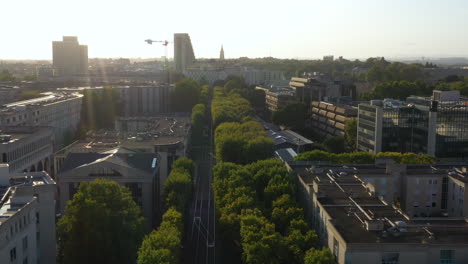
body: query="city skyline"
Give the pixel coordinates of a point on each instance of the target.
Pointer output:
(311, 29)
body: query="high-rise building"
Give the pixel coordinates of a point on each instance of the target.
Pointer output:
(69, 57)
(436, 126)
(221, 54)
(183, 51)
(147, 100)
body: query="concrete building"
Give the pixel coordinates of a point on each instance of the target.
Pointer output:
(436, 126)
(168, 136)
(26, 148)
(137, 171)
(319, 87)
(277, 97)
(360, 226)
(329, 119)
(27, 218)
(147, 100)
(69, 57)
(61, 111)
(183, 52)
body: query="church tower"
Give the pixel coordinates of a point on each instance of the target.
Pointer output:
(221, 54)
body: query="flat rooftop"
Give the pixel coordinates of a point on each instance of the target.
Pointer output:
(48, 98)
(350, 206)
(10, 135)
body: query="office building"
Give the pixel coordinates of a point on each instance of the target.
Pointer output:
(359, 224)
(137, 171)
(61, 111)
(183, 52)
(147, 100)
(318, 88)
(27, 218)
(436, 126)
(26, 148)
(277, 97)
(329, 119)
(69, 57)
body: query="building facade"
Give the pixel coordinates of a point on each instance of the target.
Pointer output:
(137, 171)
(147, 100)
(359, 225)
(69, 57)
(61, 111)
(329, 119)
(27, 218)
(184, 56)
(26, 149)
(437, 126)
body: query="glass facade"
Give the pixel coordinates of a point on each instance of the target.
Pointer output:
(452, 129)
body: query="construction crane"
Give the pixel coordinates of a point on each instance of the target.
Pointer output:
(164, 43)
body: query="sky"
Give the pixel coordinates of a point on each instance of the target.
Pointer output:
(253, 28)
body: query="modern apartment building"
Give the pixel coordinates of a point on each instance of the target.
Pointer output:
(183, 52)
(436, 125)
(61, 111)
(27, 218)
(69, 57)
(329, 119)
(26, 148)
(277, 97)
(318, 88)
(349, 207)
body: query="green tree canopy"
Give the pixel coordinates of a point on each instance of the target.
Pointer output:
(102, 224)
(351, 134)
(335, 144)
(315, 256)
(186, 95)
(292, 115)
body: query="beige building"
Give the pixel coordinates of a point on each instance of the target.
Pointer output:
(329, 119)
(26, 148)
(61, 111)
(27, 218)
(69, 57)
(358, 223)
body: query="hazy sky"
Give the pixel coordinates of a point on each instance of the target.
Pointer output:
(253, 28)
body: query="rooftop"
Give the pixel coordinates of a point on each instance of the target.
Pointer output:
(360, 217)
(13, 134)
(48, 98)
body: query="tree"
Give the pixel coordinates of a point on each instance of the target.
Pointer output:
(335, 144)
(351, 134)
(164, 244)
(198, 121)
(186, 95)
(292, 115)
(102, 224)
(315, 256)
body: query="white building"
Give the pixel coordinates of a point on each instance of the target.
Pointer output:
(26, 148)
(61, 111)
(27, 218)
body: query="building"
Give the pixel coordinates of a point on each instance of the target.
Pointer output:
(168, 136)
(147, 100)
(8, 94)
(436, 125)
(69, 57)
(318, 87)
(137, 171)
(359, 225)
(61, 111)
(183, 52)
(285, 139)
(26, 148)
(329, 119)
(27, 218)
(221, 53)
(277, 97)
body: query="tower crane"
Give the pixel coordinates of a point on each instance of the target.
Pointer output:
(164, 43)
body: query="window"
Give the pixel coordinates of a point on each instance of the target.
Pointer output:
(447, 257)
(390, 258)
(13, 254)
(336, 248)
(25, 243)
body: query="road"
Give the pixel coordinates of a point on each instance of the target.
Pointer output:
(200, 244)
